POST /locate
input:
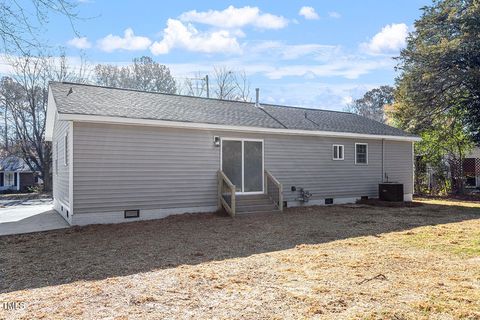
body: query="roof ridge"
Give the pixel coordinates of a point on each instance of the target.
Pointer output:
(304, 108)
(193, 97)
(144, 91)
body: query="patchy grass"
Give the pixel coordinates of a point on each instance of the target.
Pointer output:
(339, 262)
(462, 239)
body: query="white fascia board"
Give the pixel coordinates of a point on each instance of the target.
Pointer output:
(50, 120)
(207, 126)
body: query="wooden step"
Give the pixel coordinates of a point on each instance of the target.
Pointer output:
(251, 196)
(260, 207)
(252, 202)
(257, 212)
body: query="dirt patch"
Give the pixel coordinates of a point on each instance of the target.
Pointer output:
(339, 262)
(390, 204)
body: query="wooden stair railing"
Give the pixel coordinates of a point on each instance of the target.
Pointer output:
(274, 189)
(226, 194)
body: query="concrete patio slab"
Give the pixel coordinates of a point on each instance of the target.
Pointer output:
(29, 216)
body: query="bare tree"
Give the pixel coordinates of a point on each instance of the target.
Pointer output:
(29, 113)
(242, 85)
(10, 92)
(26, 105)
(61, 69)
(195, 86)
(21, 23)
(144, 74)
(225, 85)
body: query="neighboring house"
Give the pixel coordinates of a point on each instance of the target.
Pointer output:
(471, 168)
(116, 151)
(16, 175)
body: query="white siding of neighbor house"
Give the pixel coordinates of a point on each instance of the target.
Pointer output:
(60, 177)
(119, 167)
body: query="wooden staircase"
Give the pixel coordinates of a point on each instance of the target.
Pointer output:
(255, 204)
(233, 203)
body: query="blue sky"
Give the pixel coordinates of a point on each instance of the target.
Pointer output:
(319, 54)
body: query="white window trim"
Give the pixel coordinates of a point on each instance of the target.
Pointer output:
(333, 152)
(66, 145)
(363, 144)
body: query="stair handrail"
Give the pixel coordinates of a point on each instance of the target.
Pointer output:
(271, 177)
(222, 178)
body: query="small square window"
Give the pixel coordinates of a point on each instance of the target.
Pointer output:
(361, 153)
(337, 152)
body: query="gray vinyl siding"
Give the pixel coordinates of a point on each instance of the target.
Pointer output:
(60, 176)
(399, 163)
(307, 162)
(120, 167)
(131, 167)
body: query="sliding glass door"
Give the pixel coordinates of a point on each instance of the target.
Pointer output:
(242, 163)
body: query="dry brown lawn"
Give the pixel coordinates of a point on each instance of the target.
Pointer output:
(340, 262)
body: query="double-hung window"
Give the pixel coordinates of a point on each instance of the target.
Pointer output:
(361, 153)
(337, 152)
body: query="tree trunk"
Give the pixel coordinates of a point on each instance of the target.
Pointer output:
(47, 179)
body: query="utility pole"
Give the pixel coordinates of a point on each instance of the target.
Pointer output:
(208, 88)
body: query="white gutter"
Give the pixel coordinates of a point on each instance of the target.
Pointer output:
(205, 126)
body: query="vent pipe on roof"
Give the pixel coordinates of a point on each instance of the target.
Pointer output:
(257, 97)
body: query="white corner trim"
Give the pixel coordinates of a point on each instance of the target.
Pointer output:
(70, 167)
(66, 148)
(51, 113)
(206, 126)
(57, 205)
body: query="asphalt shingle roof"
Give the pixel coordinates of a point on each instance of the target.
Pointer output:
(104, 101)
(13, 163)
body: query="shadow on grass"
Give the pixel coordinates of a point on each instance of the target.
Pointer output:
(103, 251)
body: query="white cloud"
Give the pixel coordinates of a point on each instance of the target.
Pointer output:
(389, 40)
(345, 68)
(284, 51)
(314, 94)
(347, 100)
(308, 13)
(129, 42)
(79, 43)
(178, 35)
(334, 14)
(233, 17)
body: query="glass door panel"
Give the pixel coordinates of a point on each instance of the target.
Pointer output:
(253, 166)
(232, 162)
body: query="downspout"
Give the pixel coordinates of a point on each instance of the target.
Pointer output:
(383, 160)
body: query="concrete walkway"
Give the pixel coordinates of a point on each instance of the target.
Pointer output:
(29, 216)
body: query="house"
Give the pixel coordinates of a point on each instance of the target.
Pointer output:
(123, 154)
(16, 175)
